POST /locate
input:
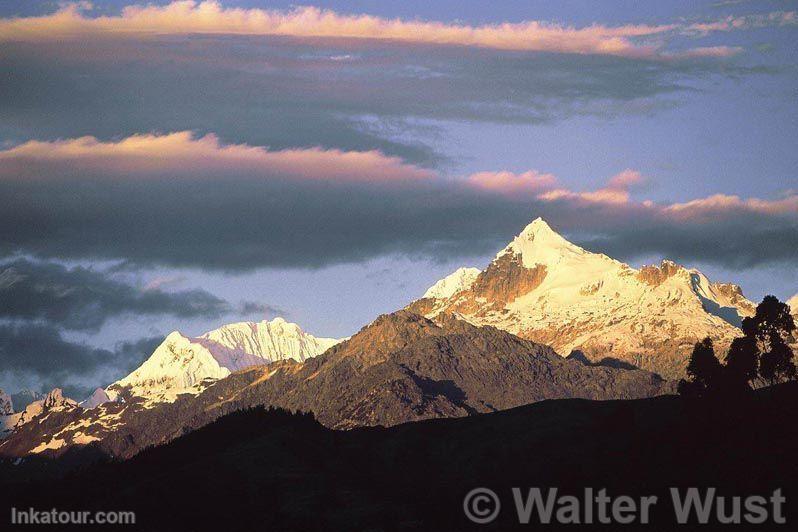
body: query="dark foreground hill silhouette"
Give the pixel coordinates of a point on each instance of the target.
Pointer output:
(271, 470)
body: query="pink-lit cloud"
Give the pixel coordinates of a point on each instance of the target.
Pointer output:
(530, 182)
(210, 17)
(616, 192)
(724, 204)
(186, 156)
(625, 180)
(182, 154)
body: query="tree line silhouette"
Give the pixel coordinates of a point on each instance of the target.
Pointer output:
(762, 356)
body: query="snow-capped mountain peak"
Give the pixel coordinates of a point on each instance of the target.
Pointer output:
(544, 288)
(539, 245)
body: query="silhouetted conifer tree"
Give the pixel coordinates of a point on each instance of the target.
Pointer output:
(704, 371)
(742, 364)
(770, 328)
(763, 352)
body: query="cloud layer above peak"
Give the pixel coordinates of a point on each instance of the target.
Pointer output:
(193, 201)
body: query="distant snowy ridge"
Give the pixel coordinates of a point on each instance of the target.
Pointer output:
(179, 365)
(182, 364)
(544, 288)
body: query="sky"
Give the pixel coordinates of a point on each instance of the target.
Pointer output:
(181, 165)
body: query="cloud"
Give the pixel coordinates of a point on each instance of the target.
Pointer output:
(724, 204)
(188, 17)
(183, 155)
(616, 192)
(227, 219)
(705, 52)
(38, 357)
(625, 180)
(758, 20)
(288, 93)
(73, 22)
(529, 182)
(83, 299)
(719, 229)
(262, 310)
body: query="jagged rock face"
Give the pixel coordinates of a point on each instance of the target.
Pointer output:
(402, 367)
(656, 275)
(546, 289)
(55, 400)
(6, 404)
(503, 281)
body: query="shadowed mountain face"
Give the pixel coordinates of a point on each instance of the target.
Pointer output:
(402, 367)
(259, 470)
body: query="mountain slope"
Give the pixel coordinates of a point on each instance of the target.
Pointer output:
(179, 366)
(546, 289)
(402, 367)
(277, 471)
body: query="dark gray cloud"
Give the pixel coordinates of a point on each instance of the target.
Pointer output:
(38, 357)
(737, 239)
(83, 299)
(234, 223)
(744, 241)
(281, 92)
(253, 308)
(238, 223)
